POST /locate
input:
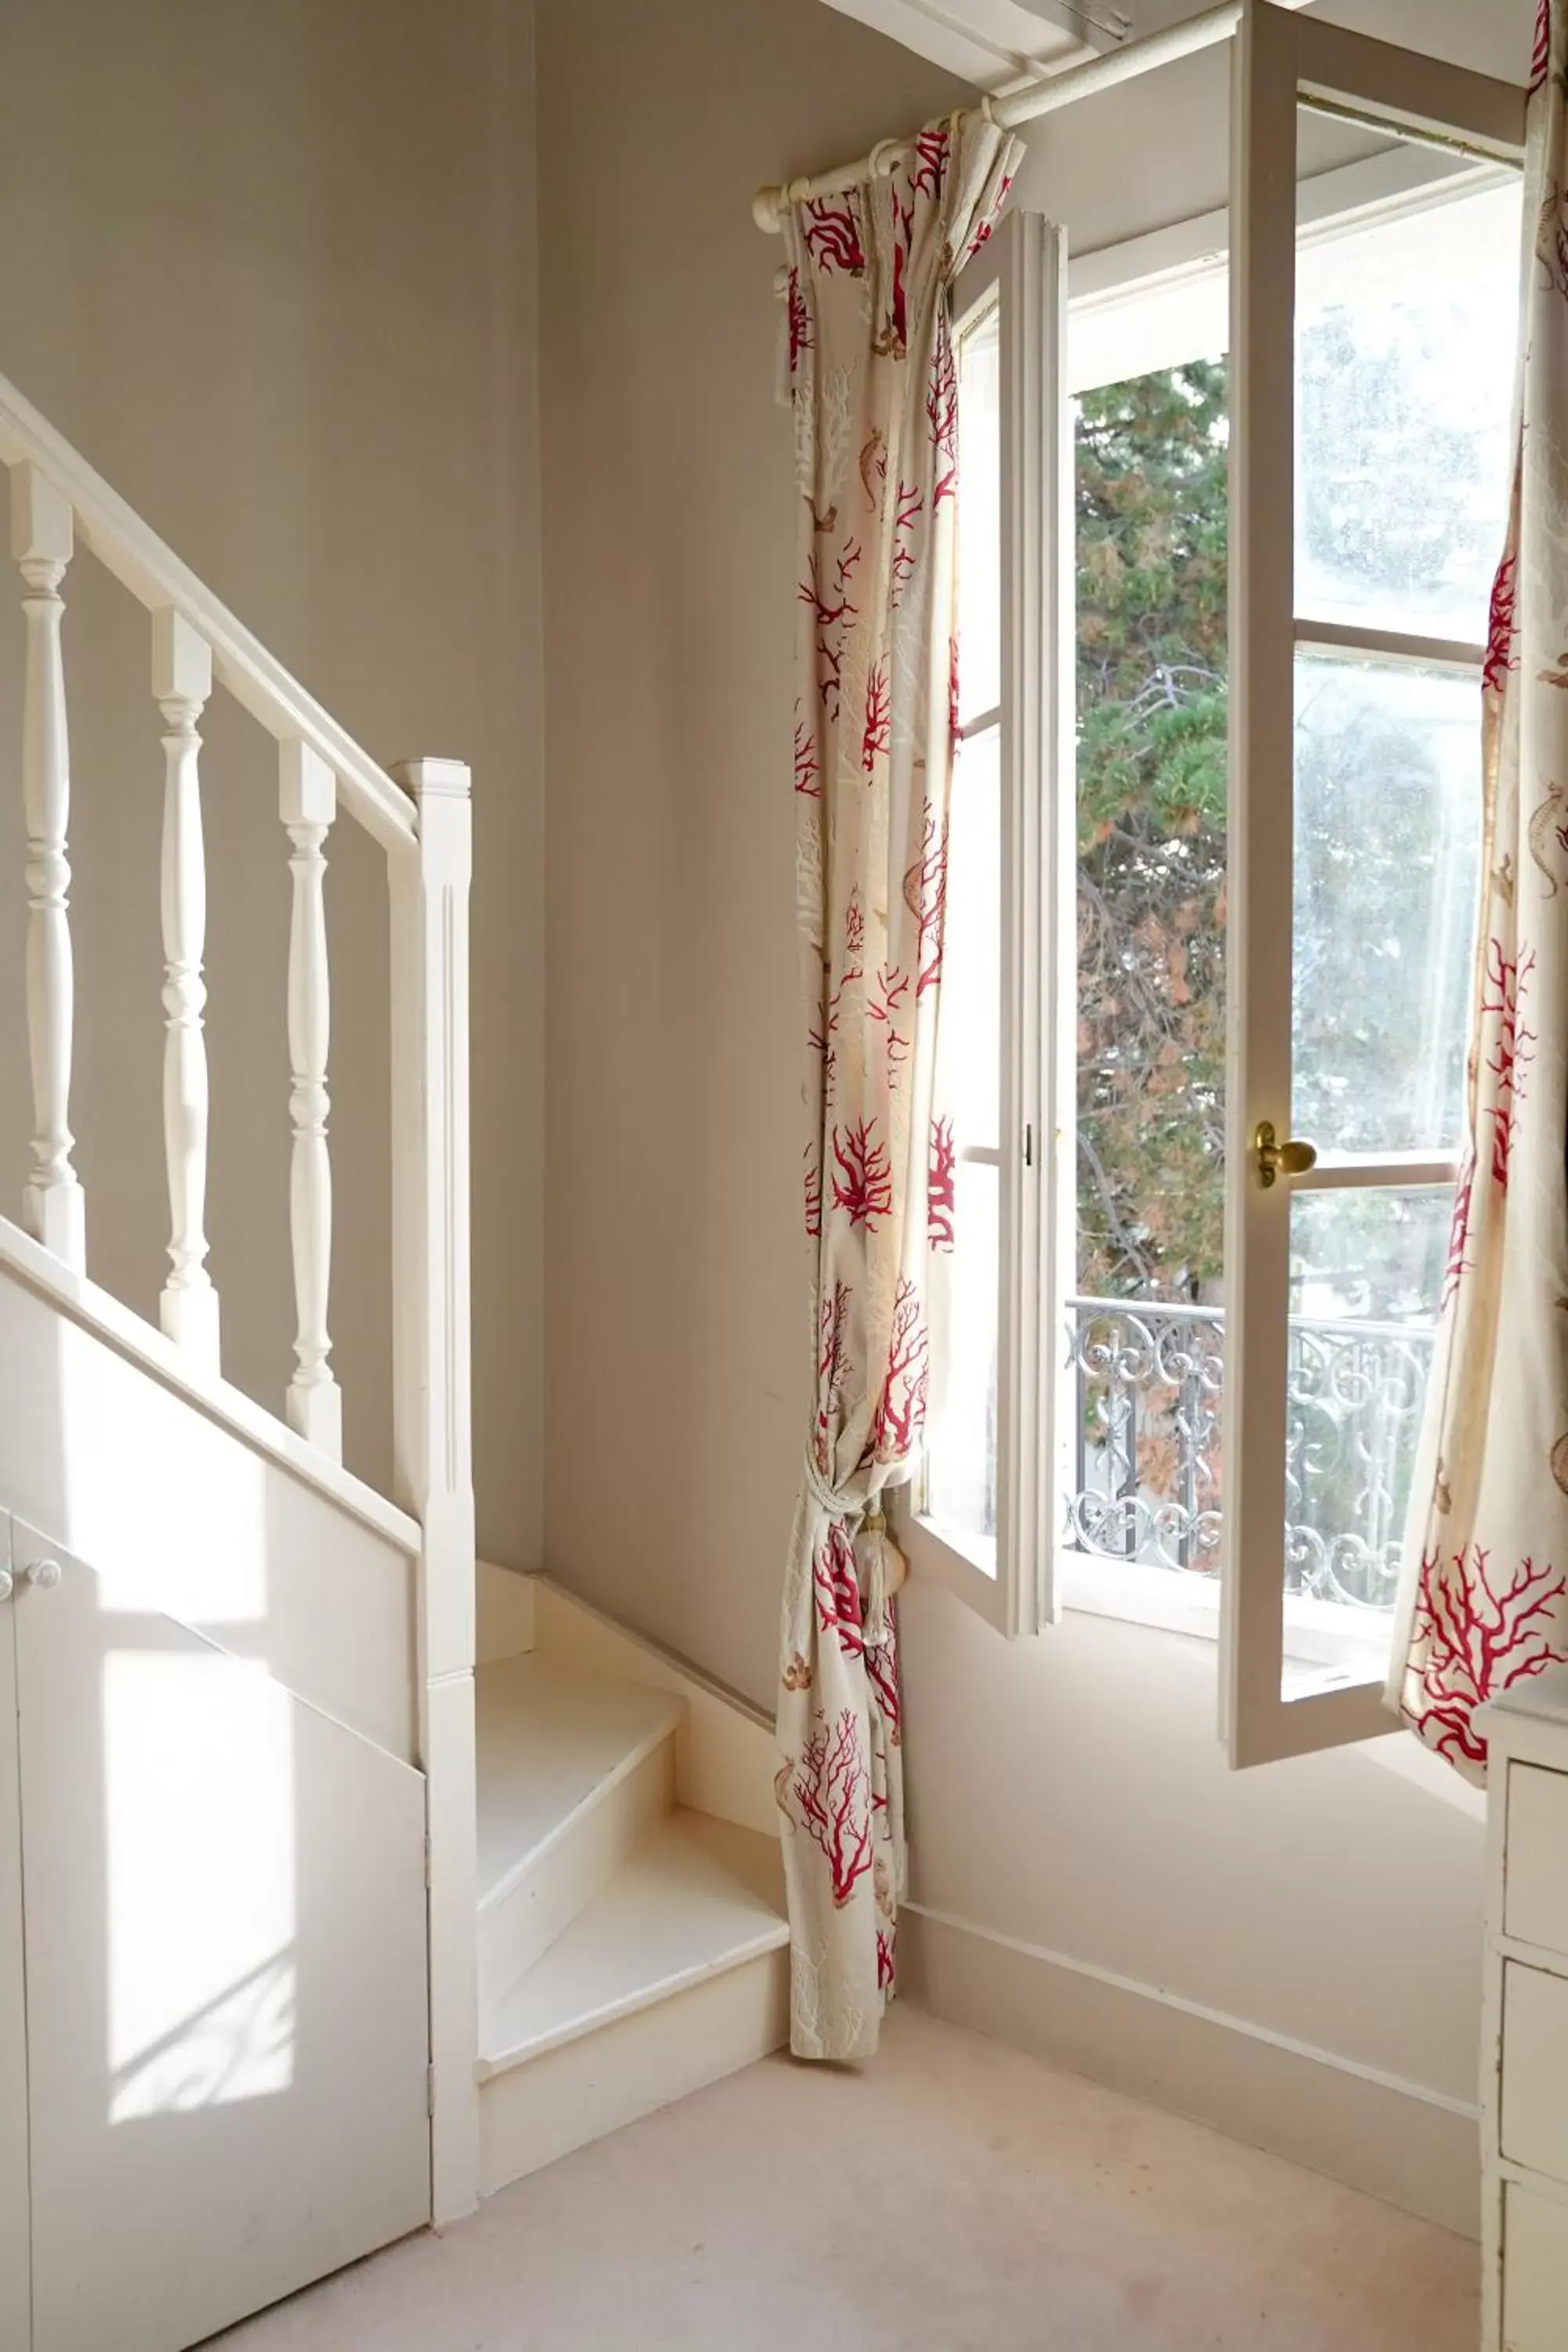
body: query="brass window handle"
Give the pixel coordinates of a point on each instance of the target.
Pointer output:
(1276, 1159)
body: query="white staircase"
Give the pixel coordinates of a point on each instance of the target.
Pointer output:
(380, 1916)
(632, 1945)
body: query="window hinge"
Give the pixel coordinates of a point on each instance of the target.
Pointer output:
(429, 2090)
(1028, 1144)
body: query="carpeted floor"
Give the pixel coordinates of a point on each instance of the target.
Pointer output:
(955, 2195)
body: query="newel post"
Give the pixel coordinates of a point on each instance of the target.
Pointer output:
(432, 1410)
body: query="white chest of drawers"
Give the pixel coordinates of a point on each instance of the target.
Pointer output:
(1524, 2087)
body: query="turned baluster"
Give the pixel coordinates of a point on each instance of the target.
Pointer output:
(182, 682)
(307, 803)
(53, 1209)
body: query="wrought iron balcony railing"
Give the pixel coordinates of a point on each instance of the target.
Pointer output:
(1148, 1472)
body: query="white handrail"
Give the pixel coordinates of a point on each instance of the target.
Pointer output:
(154, 574)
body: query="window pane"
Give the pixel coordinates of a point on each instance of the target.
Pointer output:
(961, 1459)
(971, 1036)
(1152, 816)
(1404, 348)
(1366, 1282)
(1388, 813)
(979, 515)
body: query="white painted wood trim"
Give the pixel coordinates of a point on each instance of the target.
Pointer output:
(566, 2096)
(538, 1900)
(130, 1336)
(1528, 1729)
(724, 1751)
(432, 1415)
(1348, 1172)
(504, 1618)
(995, 43)
(1039, 867)
(181, 683)
(1276, 57)
(1416, 2146)
(15, 2187)
(774, 1937)
(1405, 88)
(1020, 276)
(307, 803)
(1388, 645)
(635, 1752)
(42, 543)
(139, 559)
(1262, 755)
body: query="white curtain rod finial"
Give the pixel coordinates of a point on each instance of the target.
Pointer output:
(768, 210)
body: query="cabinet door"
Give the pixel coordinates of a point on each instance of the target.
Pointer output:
(15, 2232)
(226, 1958)
(1535, 2272)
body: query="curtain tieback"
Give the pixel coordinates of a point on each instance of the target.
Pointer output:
(828, 1498)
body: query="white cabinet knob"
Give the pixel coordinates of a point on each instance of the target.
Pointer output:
(5, 1584)
(44, 1574)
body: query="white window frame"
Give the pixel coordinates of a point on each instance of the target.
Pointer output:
(1280, 61)
(1021, 270)
(1124, 305)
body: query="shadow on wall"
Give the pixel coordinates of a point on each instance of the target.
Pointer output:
(224, 1898)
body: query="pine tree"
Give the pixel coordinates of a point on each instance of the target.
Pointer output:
(1150, 490)
(1384, 835)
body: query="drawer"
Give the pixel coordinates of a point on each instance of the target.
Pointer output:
(1534, 2117)
(1534, 2272)
(1535, 1892)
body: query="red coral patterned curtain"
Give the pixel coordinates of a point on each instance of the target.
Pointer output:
(1484, 1603)
(874, 390)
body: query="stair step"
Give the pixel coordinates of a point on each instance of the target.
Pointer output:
(552, 1746)
(699, 1897)
(532, 2115)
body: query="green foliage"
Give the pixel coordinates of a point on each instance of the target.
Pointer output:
(1386, 843)
(1151, 487)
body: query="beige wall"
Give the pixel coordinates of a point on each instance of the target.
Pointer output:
(1070, 1793)
(675, 1280)
(271, 269)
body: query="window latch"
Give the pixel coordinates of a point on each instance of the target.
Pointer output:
(1276, 1159)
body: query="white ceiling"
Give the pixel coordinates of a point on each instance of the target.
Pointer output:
(993, 43)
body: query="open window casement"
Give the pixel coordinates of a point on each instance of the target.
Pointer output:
(1353, 657)
(979, 1517)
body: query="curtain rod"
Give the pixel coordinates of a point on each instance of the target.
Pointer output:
(1045, 96)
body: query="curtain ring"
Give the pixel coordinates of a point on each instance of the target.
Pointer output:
(884, 158)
